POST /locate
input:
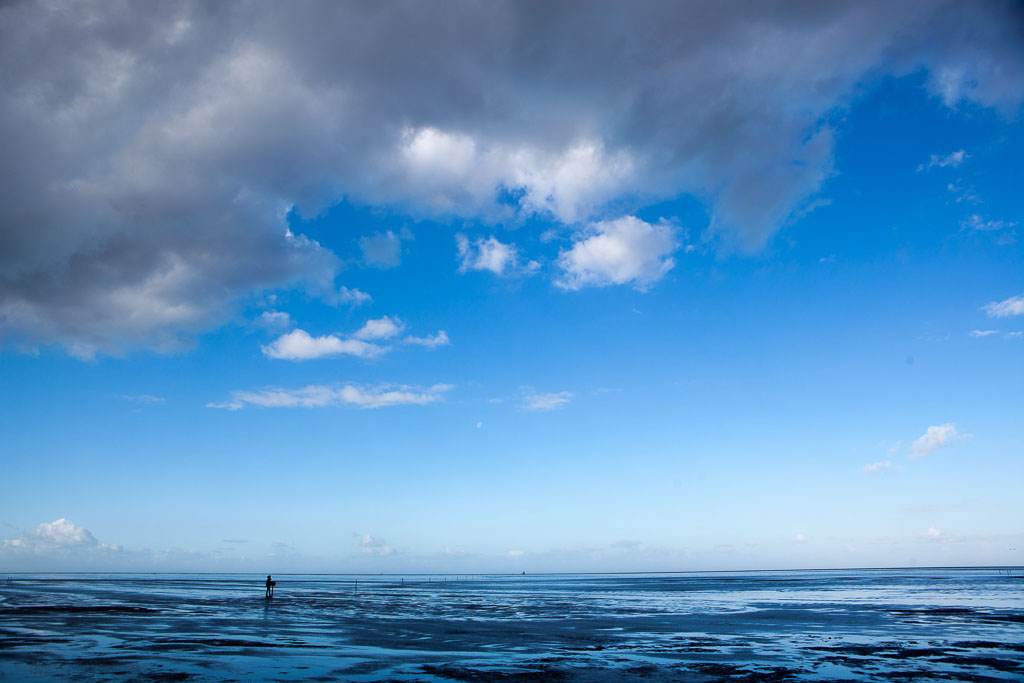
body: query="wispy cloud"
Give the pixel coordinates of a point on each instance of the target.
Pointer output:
(878, 466)
(142, 398)
(977, 223)
(963, 194)
(934, 437)
(383, 249)
(431, 342)
(983, 333)
(274, 319)
(952, 160)
(545, 401)
(1005, 308)
(320, 395)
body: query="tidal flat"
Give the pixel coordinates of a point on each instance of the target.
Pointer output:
(836, 625)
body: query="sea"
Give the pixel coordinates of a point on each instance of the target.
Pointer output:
(836, 625)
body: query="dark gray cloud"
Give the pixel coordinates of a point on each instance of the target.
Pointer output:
(151, 151)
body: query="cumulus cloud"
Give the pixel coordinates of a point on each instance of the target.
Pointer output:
(154, 152)
(1005, 308)
(878, 466)
(545, 401)
(380, 328)
(431, 342)
(623, 251)
(59, 536)
(934, 437)
(321, 395)
(953, 160)
(490, 254)
(300, 345)
(369, 545)
(353, 296)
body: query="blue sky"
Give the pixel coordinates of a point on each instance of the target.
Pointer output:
(526, 303)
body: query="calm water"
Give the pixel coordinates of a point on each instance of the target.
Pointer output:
(756, 626)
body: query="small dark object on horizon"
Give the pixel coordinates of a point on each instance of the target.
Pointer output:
(270, 587)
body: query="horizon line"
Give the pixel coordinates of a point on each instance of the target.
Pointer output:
(524, 573)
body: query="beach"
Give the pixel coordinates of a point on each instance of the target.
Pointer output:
(921, 624)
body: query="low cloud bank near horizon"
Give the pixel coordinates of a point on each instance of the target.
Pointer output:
(62, 545)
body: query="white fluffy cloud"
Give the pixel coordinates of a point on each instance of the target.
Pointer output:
(300, 345)
(380, 328)
(1005, 308)
(455, 171)
(934, 437)
(622, 251)
(320, 395)
(488, 253)
(545, 401)
(370, 545)
(878, 466)
(59, 536)
(353, 297)
(983, 333)
(153, 151)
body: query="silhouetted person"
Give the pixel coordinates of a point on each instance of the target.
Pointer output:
(270, 587)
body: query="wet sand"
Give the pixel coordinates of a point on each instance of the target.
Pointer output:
(929, 625)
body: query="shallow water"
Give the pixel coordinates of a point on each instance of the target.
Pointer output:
(960, 624)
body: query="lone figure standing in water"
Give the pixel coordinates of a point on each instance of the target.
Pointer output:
(270, 587)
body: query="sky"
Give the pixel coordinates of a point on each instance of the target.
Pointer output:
(376, 287)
